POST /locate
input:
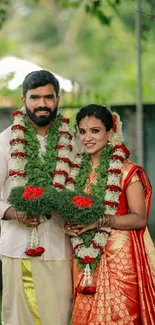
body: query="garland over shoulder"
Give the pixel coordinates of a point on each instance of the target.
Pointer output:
(34, 170)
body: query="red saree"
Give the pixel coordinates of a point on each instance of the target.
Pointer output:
(125, 276)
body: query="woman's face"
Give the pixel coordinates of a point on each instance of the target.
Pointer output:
(93, 135)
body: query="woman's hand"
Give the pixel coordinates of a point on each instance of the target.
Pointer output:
(70, 229)
(83, 228)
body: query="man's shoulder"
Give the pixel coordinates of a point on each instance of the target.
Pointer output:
(5, 137)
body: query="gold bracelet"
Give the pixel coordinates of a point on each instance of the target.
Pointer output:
(100, 222)
(20, 218)
(106, 220)
(63, 228)
(16, 216)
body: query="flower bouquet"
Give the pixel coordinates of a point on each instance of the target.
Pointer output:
(36, 202)
(84, 209)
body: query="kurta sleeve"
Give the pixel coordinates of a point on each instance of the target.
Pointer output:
(3, 175)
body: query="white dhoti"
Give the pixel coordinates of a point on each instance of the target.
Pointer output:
(36, 292)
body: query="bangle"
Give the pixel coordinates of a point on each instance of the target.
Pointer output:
(63, 228)
(100, 222)
(106, 220)
(20, 218)
(16, 216)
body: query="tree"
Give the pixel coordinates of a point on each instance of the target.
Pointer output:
(4, 5)
(96, 8)
(100, 9)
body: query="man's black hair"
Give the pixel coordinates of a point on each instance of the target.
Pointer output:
(40, 78)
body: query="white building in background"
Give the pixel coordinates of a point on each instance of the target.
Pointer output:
(21, 68)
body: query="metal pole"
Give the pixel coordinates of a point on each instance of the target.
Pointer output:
(139, 106)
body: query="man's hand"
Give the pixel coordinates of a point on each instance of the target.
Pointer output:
(28, 221)
(11, 214)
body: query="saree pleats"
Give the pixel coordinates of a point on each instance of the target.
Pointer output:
(116, 282)
(124, 279)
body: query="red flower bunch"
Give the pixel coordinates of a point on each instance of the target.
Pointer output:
(38, 251)
(82, 201)
(87, 259)
(32, 192)
(87, 290)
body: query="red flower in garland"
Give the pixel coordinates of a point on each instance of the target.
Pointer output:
(18, 127)
(38, 251)
(17, 113)
(88, 290)
(57, 185)
(30, 252)
(32, 192)
(60, 172)
(82, 201)
(123, 148)
(87, 259)
(65, 133)
(18, 154)
(18, 140)
(14, 173)
(113, 188)
(65, 120)
(71, 180)
(74, 165)
(110, 203)
(115, 123)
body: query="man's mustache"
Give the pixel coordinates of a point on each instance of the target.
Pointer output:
(41, 109)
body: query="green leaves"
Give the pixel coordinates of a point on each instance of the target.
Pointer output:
(4, 6)
(94, 8)
(97, 189)
(41, 206)
(76, 213)
(40, 168)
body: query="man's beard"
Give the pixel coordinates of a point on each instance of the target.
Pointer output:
(41, 120)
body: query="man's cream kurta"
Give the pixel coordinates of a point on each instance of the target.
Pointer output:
(51, 272)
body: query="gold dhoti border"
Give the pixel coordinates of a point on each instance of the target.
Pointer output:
(30, 291)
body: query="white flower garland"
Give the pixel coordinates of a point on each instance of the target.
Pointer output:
(19, 159)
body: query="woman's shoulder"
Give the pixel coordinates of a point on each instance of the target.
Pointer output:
(128, 164)
(129, 170)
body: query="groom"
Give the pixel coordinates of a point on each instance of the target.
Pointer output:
(36, 290)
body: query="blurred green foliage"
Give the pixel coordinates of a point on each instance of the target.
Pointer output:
(65, 38)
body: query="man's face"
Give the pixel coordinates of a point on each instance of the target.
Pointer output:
(41, 104)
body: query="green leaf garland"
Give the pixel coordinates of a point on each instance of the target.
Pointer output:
(40, 167)
(97, 189)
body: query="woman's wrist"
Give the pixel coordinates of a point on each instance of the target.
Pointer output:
(106, 221)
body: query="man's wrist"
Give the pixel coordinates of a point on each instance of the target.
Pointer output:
(10, 214)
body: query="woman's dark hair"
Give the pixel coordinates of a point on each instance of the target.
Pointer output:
(98, 111)
(40, 78)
